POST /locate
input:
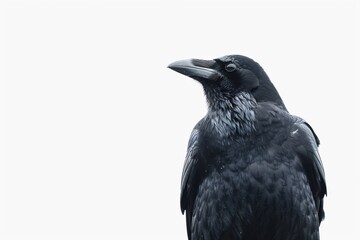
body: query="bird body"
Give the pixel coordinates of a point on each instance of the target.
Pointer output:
(252, 170)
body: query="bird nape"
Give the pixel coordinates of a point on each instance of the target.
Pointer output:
(252, 170)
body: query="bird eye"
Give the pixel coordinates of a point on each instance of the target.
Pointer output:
(230, 67)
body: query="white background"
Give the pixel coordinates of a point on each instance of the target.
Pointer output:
(95, 126)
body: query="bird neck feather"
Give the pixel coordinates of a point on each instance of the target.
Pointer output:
(232, 114)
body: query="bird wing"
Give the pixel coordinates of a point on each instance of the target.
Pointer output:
(191, 177)
(189, 168)
(306, 143)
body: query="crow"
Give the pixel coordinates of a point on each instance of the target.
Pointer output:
(252, 170)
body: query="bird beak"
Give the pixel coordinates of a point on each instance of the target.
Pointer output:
(196, 69)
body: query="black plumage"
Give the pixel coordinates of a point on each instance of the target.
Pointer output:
(252, 170)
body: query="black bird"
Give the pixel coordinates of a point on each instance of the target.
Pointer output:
(252, 170)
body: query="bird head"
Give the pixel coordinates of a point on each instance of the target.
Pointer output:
(230, 75)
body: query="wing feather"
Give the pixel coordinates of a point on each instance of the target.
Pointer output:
(307, 148)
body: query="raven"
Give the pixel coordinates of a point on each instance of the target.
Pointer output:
(252, 170)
